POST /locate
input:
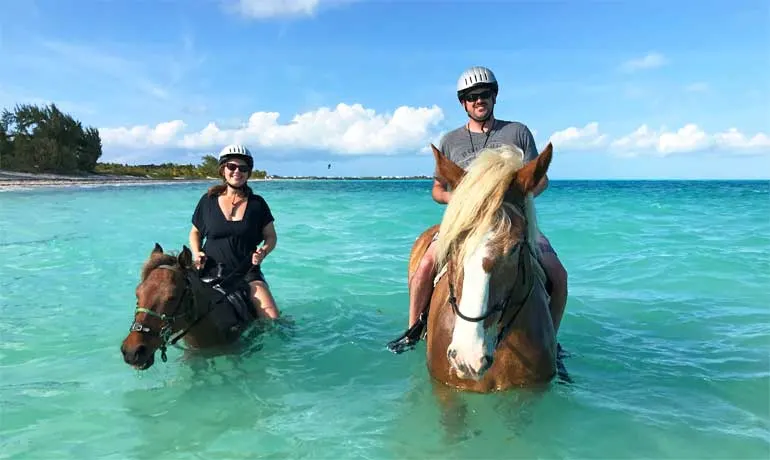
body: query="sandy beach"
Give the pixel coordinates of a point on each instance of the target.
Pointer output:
(12, 180)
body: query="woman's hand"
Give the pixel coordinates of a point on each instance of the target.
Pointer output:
(258, 256)
(199, 259)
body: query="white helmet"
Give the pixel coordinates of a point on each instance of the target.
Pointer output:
(236, 151)
(474, 77)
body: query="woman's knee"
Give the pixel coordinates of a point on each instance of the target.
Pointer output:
(263, 300)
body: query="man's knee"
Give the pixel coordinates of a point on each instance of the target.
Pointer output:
(555, 270)
(428, 261)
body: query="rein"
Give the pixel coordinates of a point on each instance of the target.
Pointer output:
(167, 321)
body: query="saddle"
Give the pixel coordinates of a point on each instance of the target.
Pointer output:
(232, 305)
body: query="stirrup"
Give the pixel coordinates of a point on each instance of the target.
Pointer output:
(409, 339)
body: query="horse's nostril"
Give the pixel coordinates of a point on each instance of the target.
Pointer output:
(452, 353)
(141, 352)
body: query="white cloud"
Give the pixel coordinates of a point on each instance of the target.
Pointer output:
(355, 130)
(161, 135)
(263, 9)
(649, 61)
(689, 138)
(573, 138)
(734, 139)
(346, 129)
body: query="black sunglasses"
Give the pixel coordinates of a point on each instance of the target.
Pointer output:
(471, 97)
(234, 166)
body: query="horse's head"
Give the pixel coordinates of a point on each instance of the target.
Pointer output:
(163, 301)
(487, 240)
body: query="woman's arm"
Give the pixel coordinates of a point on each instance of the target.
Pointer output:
(195, 246)
(271, 240)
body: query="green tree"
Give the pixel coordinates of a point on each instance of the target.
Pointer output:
(209, 167)
(44, 139)
(35, 139)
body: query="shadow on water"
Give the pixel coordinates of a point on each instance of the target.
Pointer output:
(213, 398)
(186, 417)
(436, 421)
(286, 388)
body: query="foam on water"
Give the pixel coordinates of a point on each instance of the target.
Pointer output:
(667, 326)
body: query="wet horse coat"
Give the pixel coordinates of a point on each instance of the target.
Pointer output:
(174, 303)
(510, 340)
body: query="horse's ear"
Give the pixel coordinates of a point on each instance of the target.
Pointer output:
(533, 172)
(156, 250)
(185, 257)
(447, 169)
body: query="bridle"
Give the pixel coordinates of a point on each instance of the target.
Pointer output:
(522, 247)
(166, 334)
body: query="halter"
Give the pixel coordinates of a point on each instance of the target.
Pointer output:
(167, 320)
(502, 305)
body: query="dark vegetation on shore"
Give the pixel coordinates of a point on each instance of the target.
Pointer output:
(45, 140)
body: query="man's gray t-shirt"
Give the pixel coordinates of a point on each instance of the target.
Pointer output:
(462, 146)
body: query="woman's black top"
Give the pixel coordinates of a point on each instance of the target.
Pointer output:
(231, 243)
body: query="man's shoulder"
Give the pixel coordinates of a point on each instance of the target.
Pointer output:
(452, 134)
(513, 126)
(451, 141)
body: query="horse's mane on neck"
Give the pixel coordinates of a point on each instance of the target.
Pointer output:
(155, 261)
(476, 205)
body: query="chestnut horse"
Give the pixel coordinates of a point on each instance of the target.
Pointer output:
(173, 302)
(489, 326)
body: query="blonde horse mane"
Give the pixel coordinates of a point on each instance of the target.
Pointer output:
(476, 206)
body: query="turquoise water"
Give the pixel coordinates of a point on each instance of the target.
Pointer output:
(667, 325)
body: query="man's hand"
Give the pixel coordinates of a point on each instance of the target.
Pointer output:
(439, 192)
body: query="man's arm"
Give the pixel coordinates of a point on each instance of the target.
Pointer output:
(531, 153)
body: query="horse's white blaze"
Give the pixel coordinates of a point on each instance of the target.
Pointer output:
(469, 345)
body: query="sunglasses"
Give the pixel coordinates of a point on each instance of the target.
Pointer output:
(234, 166)
(473, 96)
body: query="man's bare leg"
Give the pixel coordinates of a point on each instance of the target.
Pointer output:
(421, 284)
(558, 276)
(420, 290)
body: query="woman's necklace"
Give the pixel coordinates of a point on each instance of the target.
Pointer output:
(234, 206)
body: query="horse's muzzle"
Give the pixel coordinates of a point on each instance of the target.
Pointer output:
(140, 357)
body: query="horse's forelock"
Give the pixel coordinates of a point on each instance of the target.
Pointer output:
(475, 205)
(155, 261)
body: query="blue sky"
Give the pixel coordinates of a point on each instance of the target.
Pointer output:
(643, 89)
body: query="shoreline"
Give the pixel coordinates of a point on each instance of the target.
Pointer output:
(15, 181)
(19, 181)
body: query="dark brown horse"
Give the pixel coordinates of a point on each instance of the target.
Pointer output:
(489, 326)
(173, 303)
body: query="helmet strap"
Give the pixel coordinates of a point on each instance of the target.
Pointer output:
(240, 188)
